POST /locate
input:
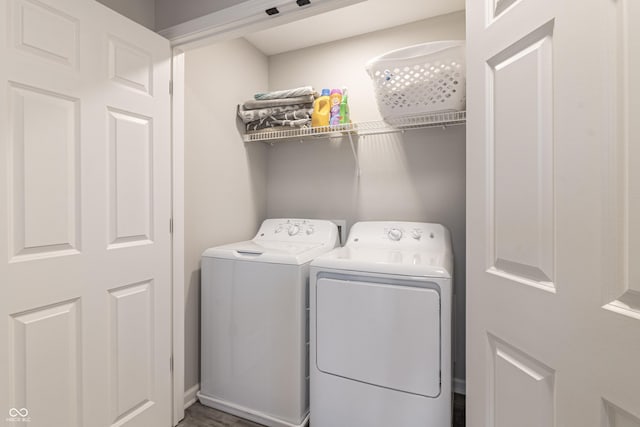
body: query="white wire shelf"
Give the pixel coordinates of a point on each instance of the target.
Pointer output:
(442, 119)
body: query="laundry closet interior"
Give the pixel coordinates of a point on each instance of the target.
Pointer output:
(231, 186)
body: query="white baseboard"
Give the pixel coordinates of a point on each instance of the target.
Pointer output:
(190, 395)
(459, 386)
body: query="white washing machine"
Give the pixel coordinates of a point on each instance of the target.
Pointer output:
(255, 322)
(381, 328)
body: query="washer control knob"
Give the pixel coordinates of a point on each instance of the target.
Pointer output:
(293, 230)
(416, 234)
(278, 229)
(395, 234)
(310, 230)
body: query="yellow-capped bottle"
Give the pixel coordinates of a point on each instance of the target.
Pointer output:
(321, 110)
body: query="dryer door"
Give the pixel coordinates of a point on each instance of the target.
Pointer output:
(382, 334)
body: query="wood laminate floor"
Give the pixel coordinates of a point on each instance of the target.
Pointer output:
(198, 415)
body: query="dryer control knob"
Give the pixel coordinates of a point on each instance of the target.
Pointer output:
(293, 230)
(416, 234)
(278, 229)
(395, 234)
(310, 230)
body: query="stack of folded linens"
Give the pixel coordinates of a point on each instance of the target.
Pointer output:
(290, 108)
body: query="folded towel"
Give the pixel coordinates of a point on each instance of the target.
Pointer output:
(255, 105)
(252, 115)
(287, 93)
(269, 122)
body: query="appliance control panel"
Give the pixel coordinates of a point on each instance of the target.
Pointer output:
(298, 230)
(398, 234)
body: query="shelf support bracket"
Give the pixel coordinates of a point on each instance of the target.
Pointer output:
(355, 154)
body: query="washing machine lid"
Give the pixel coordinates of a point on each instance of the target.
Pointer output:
(272, 252)
(282, 241)
(394, 247)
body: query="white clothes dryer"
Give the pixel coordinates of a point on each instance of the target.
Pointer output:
(254, 322)
(381, 328)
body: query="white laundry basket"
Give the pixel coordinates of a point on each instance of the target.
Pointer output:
(424, 78)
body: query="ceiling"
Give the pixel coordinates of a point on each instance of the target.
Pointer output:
(360, 18)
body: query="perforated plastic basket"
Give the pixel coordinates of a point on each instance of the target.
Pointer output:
(424, 78)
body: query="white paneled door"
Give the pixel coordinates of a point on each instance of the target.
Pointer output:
(553, 220)
(85, 257)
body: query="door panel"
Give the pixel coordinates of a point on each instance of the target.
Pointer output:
(616, 417)
(85, 273)
(47, 32)
(513, 374)
(551, 155)
(623, 295)
(520, 184)
(130, 66)
(44, 171)
(131, 327)
(630, 58)
(40, 338)
(130, 178)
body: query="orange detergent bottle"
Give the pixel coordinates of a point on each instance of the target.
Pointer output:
(321, 110)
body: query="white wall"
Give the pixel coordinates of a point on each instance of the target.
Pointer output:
(141, 11)
(225, 179)
(417, 176)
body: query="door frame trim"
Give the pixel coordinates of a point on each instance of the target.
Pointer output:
(177, 242)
